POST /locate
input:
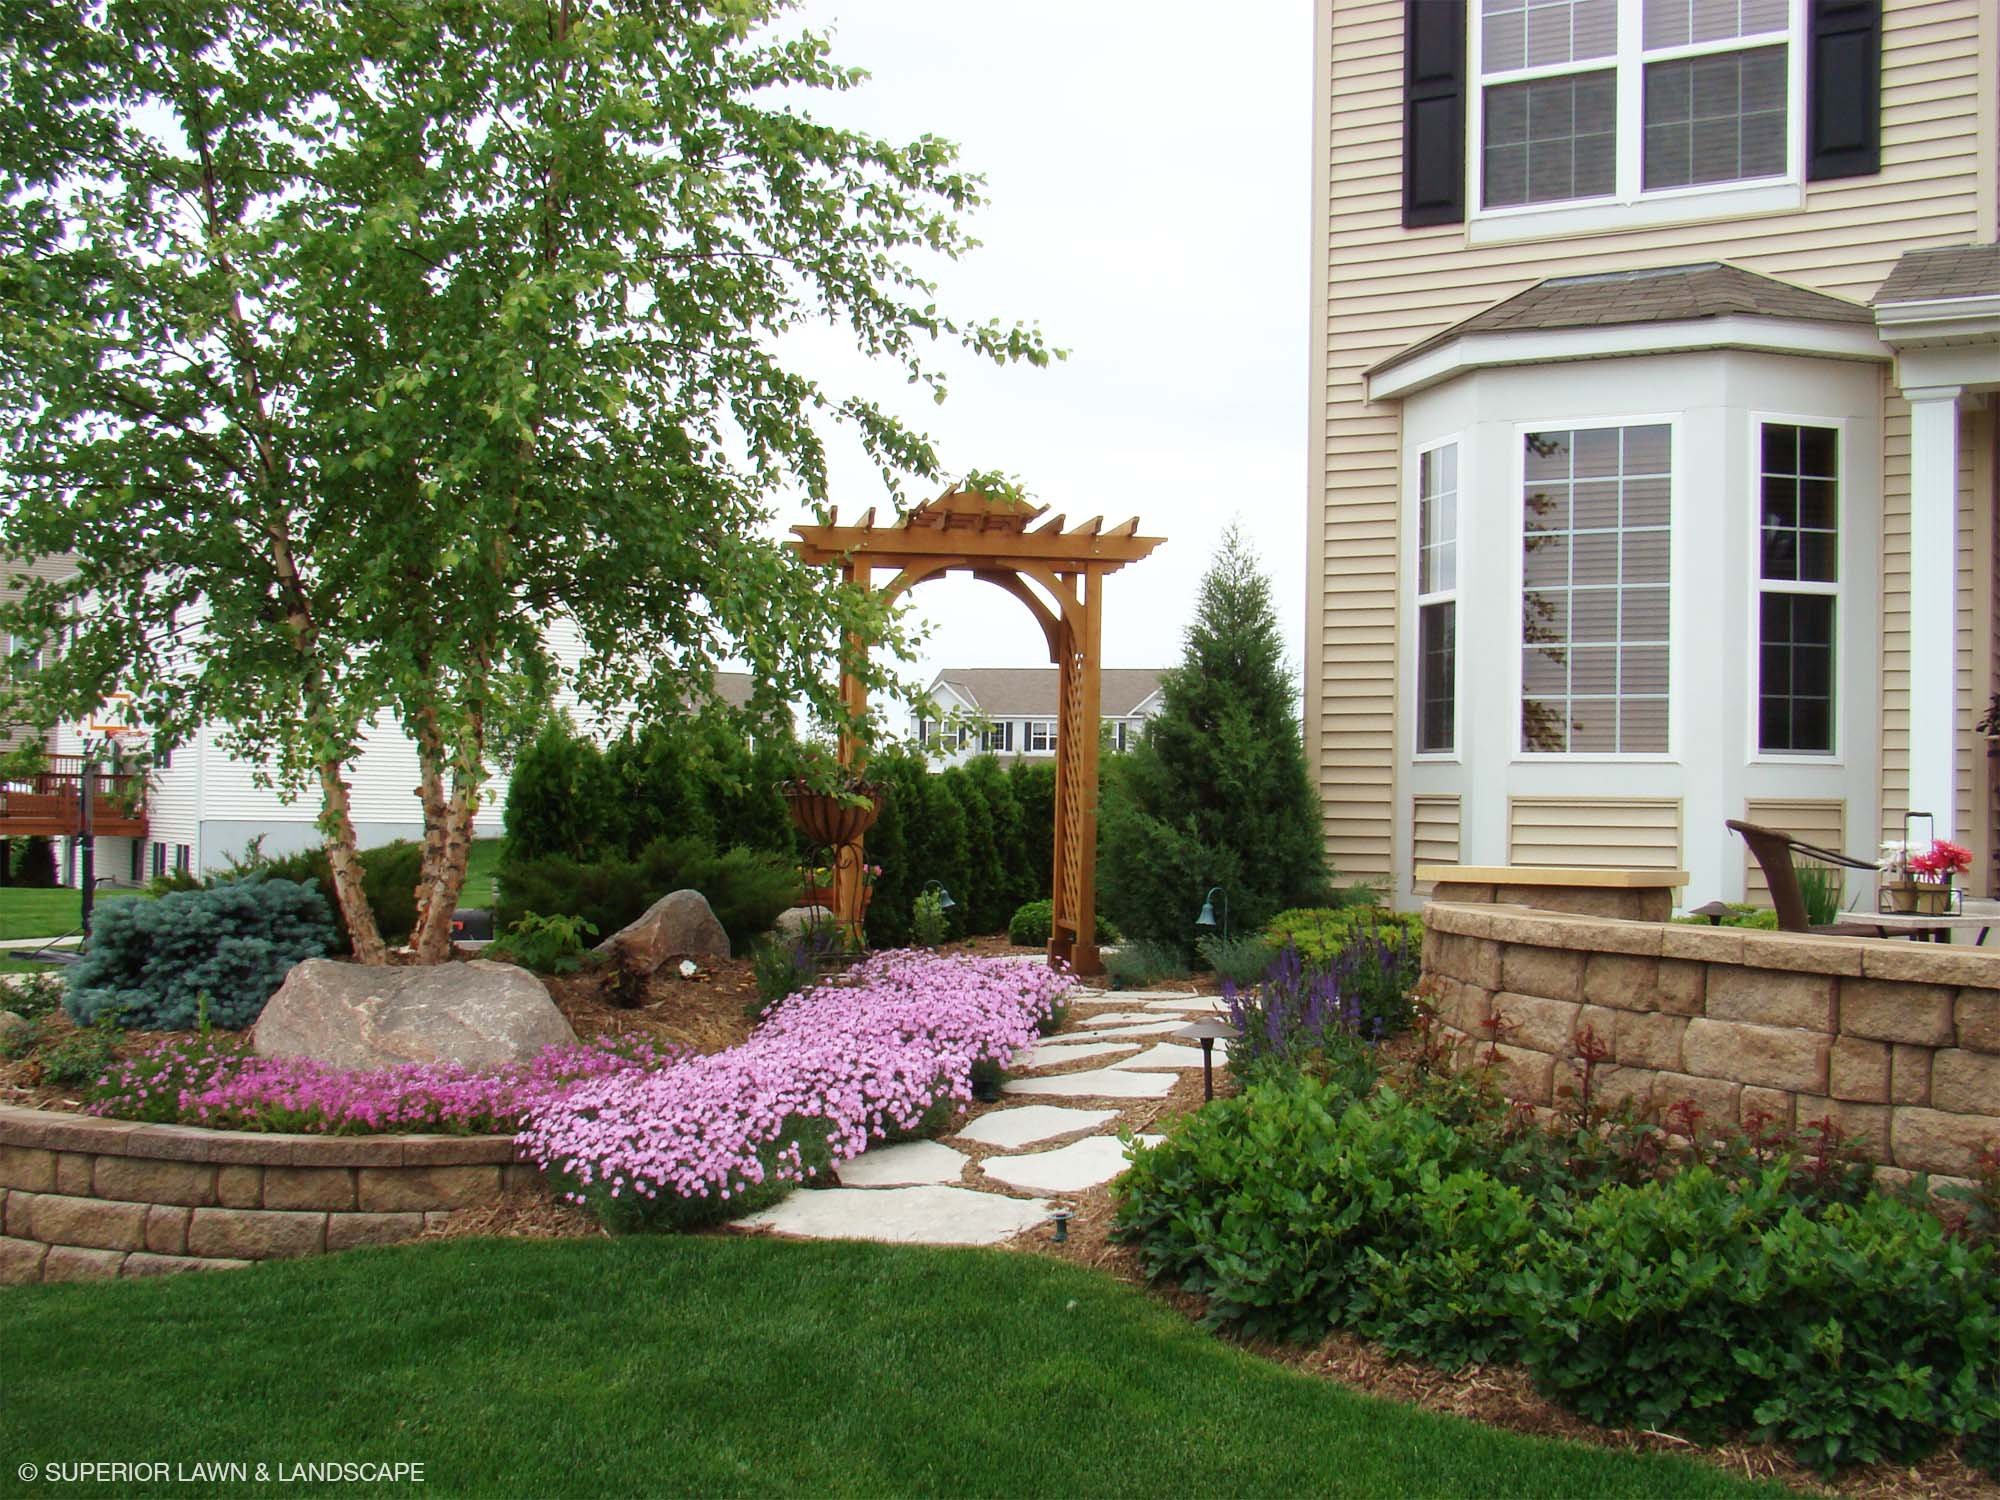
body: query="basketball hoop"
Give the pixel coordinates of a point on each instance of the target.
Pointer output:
(112, 721)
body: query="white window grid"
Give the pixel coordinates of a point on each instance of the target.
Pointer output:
(1628, 59)
(1437, 566)
(1041, 736)
(1826, 588)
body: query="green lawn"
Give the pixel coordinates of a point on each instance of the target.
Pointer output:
(712, 1365)
(479, 874)
(27, 912)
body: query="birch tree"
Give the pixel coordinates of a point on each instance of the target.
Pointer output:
(348, 346)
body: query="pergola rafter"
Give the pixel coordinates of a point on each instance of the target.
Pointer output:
(1058, 574)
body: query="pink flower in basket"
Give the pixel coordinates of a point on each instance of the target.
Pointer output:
(1941, 861)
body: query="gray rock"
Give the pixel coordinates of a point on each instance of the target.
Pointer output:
(12, 1025)
(479, 1014)
(678, 925)
(799, 919)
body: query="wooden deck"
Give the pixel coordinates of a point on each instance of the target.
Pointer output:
(49, 804)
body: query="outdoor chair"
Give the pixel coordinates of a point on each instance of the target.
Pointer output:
(1774, 851)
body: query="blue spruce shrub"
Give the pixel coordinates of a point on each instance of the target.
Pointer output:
(149, 962)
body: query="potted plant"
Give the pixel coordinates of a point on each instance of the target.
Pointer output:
(1918, 876)
(831, 804)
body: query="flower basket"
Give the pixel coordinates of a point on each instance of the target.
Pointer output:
(831, 819)
(1928, 898)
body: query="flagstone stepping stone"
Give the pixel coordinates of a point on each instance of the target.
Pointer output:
(1170, 1055)
(1067, 1169)
(1148, 995)
(1199, 1003)
(1050, 1055)
(1026, 1124)
(1158, 1026)
(1116, 1017)
(1095, 1083)
(902, 1215)
(904, 1166)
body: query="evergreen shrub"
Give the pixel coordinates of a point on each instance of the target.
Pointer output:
(1032, 924)
(150, 962)
(389, 874)
(746, 889)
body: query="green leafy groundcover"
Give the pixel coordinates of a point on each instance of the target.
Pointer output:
(712, 1366)
(1739, 1287)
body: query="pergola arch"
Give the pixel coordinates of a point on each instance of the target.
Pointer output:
(988, 536)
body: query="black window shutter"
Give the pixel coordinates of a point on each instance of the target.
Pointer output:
(1843, 89)
(1433, 112)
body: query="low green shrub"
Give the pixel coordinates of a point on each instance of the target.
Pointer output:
(784, 966)
(545, 945)
(1857, 1335)
(1032, 923)
(1740, 914)
(1238, 960)
(1139, 962)
(929, 926)
(389, 875)
(33, 995)
(1323, 933)
(744, 888)
(151, 962)
(1648, 1273)
(81, 1058)
(20, 1041)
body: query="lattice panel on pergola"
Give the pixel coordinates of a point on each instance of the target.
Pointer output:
(1058, 575)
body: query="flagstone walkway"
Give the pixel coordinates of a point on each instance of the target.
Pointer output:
(1008, 1169)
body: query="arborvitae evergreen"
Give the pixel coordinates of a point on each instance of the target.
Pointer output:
(1216, 791)
(559, 801)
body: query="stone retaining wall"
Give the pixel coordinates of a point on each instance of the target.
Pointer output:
(1898, 1042)
(83, 1197)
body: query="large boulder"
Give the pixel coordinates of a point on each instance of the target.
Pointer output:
(478, 1014)
(797, 921)
(679, 925)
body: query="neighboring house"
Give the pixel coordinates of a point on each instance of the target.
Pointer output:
(200, 806)
(1653, 475)
(25, 656)
(1011, 711)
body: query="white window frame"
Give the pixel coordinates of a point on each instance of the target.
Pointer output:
(1041, 736)
(1676, 585)
(1629, 206)
(1414, 565)
(1754, 753)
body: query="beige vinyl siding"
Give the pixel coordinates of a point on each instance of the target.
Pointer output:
(1433, 835)
(1382, 287)
(1618, 833)
(1816, 821)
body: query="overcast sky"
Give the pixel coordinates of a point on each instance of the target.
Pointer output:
(1149, 171)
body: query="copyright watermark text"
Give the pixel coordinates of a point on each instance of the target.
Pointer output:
(278, 1471)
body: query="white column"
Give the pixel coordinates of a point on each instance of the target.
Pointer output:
(1933, 602)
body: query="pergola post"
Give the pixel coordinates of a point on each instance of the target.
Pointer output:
(988, 536)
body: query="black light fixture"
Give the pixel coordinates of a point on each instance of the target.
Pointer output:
(1208, 1033)
(945, 903)
(1207, 917)
(1061, 1217)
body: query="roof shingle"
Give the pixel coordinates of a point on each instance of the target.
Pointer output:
(1666, 294)
(1030, 692)
(1953, 271)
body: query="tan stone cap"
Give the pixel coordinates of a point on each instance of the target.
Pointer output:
(1801, 952)
(1570, 875)
(47, 1129)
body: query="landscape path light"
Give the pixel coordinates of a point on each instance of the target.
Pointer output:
(1207, 917)
(1208, 1033)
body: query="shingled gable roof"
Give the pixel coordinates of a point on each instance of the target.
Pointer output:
(1666, 294)
(1030, 692)
(1954, 271)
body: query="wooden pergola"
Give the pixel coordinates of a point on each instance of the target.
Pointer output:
(1059, 575)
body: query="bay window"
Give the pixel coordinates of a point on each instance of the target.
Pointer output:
(1596, 579)
(1437, 599)
(1798, 580)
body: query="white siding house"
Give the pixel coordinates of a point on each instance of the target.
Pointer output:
(1011, 711)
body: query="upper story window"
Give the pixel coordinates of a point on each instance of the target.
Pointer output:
(1596, 511)
(1606, 101)
(1437, 600)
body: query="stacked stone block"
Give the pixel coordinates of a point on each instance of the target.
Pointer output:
(83, 1197)
(1897, 1042)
